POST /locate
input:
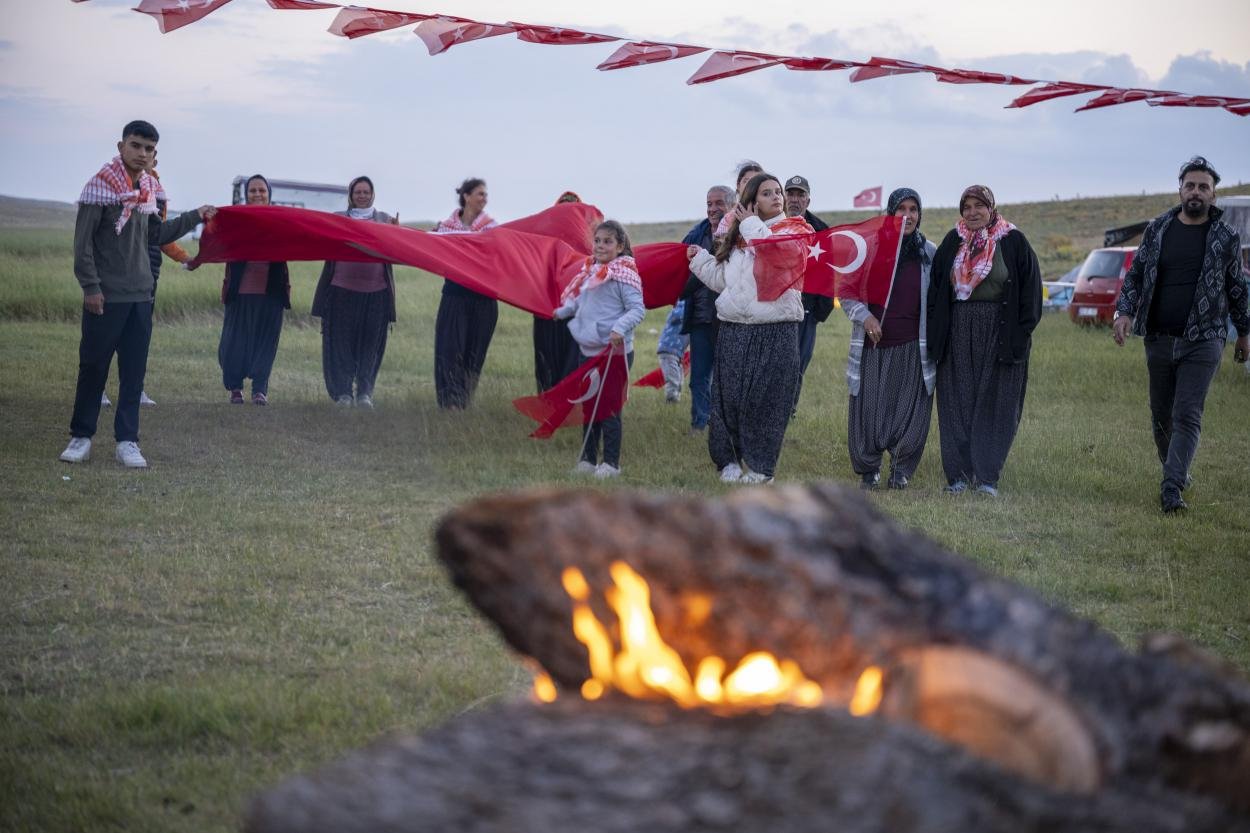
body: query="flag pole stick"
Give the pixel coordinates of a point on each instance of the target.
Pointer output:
(897, 251)
(593, 411)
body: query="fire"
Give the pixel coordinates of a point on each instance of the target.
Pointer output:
(645, 666)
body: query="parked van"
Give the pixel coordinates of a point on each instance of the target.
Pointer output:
(314, 195)
(1098, 284)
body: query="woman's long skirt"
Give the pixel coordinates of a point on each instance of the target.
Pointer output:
(980, 399)
(754, 377)
(249, 341)
(891, 413)
(462, 334)
(555, 352)
(353, 339)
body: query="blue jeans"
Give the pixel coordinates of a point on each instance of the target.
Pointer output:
(1180, 374)
(702, 355)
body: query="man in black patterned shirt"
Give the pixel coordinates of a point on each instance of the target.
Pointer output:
(1184, 284)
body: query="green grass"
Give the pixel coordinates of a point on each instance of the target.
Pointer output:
(265, 598)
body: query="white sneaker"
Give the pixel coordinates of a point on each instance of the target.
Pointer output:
(731, 473)
(128, 455)
(753, 477)
(585, 467)
(145, 400)
(364, 401)
(105, 402)
(344, 401)
(78, 450)
(605, 470)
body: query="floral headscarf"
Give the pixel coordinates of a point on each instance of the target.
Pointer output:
(975, 257)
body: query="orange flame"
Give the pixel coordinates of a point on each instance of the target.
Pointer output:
(646, 667)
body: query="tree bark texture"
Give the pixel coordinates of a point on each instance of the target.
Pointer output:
(630, 766)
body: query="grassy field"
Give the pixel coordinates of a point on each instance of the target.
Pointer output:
(264, 597)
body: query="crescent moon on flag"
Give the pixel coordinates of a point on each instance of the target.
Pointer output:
(592, 388)
(861, 252)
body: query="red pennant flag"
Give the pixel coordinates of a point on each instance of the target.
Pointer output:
(357, 21)
(442, 33)
(638, 53)
(850, 261)
(1046, 92)
(881, 67)
(655, 379)
(728, 64)
(1116, 96)
(1196, 101)
(867, 198)
(818, 64)
(174, 14)
(302, 4)
(973, 76)
(555, 36)
(592, 393)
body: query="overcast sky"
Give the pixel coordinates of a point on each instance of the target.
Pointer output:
(250, 89)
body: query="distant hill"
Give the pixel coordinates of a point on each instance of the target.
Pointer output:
(16, 212)
(1061, 231)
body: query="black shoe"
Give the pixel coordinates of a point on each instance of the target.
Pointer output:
(1171, 501)
(868, 482)
(896, 482)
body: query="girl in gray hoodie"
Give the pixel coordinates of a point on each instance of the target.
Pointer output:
(604, 305)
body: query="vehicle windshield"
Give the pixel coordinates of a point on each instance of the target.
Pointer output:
(1102, 265)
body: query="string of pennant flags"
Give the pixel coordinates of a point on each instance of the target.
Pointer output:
(440, 32)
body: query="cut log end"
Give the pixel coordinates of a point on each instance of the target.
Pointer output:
(997, 712)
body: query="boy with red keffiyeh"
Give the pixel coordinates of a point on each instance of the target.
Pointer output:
(118, 218)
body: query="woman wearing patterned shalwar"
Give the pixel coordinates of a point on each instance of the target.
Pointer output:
(356, 305)
(985, 299)
(255, 293)
(888, 371)
(466, 319)
(756, 370)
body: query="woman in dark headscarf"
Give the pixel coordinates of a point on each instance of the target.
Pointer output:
(888, 371)
(984, 301)
(356, 305)
(255, 293)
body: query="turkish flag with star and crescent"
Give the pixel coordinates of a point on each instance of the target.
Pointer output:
(851, 261)
(868, 198)
(594, 392)
(174, 14)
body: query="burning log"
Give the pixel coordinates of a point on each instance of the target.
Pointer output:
(816, 577)
(622, 766)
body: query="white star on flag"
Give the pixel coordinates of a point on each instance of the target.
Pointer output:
(814, 252)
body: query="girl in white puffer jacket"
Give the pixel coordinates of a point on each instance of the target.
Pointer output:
(756, 370)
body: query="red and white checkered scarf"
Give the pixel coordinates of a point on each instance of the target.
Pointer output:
(593, 274)
(112, 186)
(453, 224)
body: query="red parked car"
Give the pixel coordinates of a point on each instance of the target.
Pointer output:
(1098, 285)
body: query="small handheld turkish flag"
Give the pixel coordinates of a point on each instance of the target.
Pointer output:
(868, 198)
(851, 261)
(592, 393)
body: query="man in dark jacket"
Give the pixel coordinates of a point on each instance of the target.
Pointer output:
(700, 315)
(118, 218)
(816, 308)
(1184, 284)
